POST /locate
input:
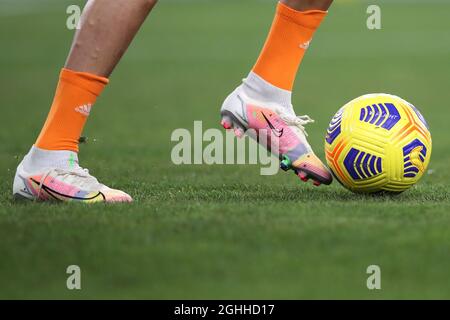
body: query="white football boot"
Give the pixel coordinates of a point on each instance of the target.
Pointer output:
(266, 109)
(56, 176)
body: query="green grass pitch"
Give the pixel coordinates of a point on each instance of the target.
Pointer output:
(223, 231)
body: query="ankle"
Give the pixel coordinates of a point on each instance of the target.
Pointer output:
(256, 88)
(38, 158)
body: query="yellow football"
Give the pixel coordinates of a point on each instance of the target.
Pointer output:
(378, 142)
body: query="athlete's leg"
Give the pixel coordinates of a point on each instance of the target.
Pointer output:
(304, 5)
(107, 29)
(50, 169)
(263, 101)
(288, 40)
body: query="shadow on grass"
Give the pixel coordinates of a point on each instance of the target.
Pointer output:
(156, 193)
(246, 192)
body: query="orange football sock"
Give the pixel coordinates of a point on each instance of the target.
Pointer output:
(75, 95)
(286, 44)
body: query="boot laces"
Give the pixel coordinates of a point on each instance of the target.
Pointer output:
(78, 175)
(296, 121)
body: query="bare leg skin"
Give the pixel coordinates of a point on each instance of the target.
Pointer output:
(107, 29)
(303, 5)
